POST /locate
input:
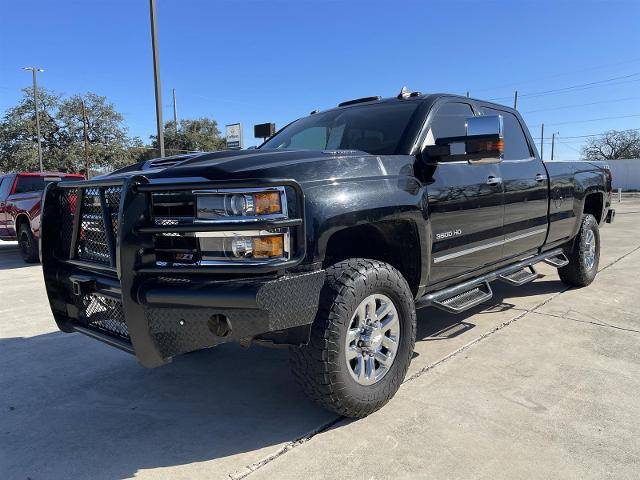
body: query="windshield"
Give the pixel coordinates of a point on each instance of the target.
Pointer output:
(375, 129)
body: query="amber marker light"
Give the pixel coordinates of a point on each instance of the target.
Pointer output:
(267, 203)
(268, 246)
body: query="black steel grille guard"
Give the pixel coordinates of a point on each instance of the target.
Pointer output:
(132, 260)
(144, 227)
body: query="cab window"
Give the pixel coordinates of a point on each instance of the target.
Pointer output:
(449, 121)
(516, 146)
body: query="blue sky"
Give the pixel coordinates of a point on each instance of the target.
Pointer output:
(259, 61)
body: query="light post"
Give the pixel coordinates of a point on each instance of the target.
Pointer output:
(156, 75)
(34, 71)
(553, 142)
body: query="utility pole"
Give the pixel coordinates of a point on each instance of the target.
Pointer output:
(156, 75)
(85, 127)
(175, 110)
(34, 70)
(515, 100)
(553, 141)
(542, 142)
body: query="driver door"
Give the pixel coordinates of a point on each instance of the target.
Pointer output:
(466, 203)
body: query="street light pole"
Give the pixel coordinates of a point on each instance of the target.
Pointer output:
(553, 142)
(175, 110)
(34, 70)
(156, 75)
(85, 129)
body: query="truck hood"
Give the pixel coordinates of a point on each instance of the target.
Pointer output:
(301, 165)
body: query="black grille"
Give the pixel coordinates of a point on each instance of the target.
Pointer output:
(112, 200)
(93, 241)
(103, 313)
(68, 199)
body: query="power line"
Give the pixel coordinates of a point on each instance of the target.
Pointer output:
(594, 119)
(581, 105)
(578, 87)
(537, 79)
(601, 133)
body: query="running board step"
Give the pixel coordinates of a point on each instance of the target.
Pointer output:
(465, 300)
(560, 260)
(520, 277)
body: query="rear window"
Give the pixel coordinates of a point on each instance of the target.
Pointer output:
(35, 183)
(29, 183)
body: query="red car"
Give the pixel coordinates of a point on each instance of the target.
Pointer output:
(20, 196)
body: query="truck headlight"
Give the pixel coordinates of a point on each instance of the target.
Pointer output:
(238, 204)
(259, 247)
(244, 245)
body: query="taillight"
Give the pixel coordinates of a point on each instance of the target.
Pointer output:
(610, 175)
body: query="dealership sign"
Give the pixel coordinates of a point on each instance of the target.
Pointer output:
(234, 136)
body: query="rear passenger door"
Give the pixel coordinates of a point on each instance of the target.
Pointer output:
(525, 189)
(465, 202)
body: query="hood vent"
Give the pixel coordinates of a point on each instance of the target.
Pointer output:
(169, 161)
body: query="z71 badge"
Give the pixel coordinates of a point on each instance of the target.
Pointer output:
(449, 234)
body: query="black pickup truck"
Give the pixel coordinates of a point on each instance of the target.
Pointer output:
(325, 238)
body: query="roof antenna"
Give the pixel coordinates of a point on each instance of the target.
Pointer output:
(404, 93)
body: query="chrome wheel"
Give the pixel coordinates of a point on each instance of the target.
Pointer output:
(589, 258)
(372, 339)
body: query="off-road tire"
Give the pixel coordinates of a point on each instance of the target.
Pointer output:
(575, 273)
(28, 244)
(320, 367)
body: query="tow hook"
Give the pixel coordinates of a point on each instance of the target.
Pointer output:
(81, 284)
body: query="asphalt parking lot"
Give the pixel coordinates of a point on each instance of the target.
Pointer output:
(541, 382)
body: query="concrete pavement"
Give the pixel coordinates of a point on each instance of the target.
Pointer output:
(541, 382)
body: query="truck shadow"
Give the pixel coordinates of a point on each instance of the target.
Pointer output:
(75, 408)
(434, 324)
(10, 257)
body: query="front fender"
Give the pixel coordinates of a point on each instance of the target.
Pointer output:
(337, 205)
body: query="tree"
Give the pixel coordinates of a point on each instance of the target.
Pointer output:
(61, 128)
(108, 140)
(18, 138)
(199, 135)
(613, 145)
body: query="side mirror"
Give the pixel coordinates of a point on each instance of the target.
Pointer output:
(483, 142)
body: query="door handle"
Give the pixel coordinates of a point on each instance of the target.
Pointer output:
(540, 177)
(491, 180)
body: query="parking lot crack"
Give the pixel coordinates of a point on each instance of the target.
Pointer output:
(249, 469)
(599, 324)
